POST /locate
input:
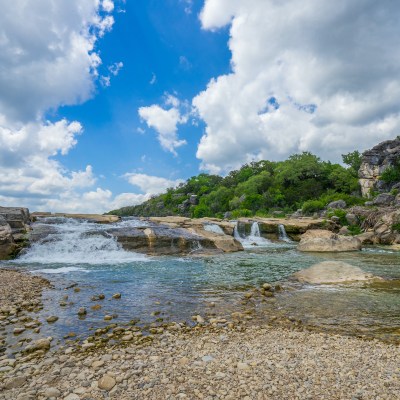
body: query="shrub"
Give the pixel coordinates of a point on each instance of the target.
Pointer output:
(341, 214)
(241, 213)
(396, 227)
(312, 206)
(391, 174)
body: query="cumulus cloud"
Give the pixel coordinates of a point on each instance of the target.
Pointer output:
(322, 77)
(165, 122)
(48, 59)
(151, 184)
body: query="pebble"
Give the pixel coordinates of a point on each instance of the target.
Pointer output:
(52, 392)
(52, 319)
(82, 311)
(106, 382)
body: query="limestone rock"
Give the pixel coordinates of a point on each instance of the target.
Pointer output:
(333, 272)
(325, 241)
(384, 199)
(7, 244)
(374, 162)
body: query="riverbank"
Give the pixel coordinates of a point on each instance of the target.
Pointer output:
(262, 361)
(257, 363)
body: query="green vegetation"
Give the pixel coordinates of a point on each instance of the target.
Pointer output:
(259, 188)
(396, 227)
(391, 174)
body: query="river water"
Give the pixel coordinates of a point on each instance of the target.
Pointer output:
(82, 260)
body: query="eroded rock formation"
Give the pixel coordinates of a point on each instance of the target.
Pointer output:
(374, 162)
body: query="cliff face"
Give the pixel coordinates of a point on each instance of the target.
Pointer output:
(374, 162)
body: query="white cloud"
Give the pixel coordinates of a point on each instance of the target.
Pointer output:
(108, 5)
(115, 68)
(48, 59)
(165, 122)
(332, 67)
(151, 184)
(153, 79)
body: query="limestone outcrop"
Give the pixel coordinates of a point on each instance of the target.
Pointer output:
(14, 223)
(322, 241)
(374, 162)
(97, 218)
(329, 272)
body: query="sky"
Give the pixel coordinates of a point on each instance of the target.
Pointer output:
(104, 103)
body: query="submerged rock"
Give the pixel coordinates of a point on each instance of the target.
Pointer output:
(333, 272)
(319, 240)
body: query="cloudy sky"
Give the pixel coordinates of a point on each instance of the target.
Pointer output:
(104, 103)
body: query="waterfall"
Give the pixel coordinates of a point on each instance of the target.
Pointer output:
(214, 228)
(69, 241)
(283, 235)
(255, 230)
(254, 239)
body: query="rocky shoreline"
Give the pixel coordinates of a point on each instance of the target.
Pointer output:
(215, 358)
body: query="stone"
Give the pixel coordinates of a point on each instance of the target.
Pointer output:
(326, 241)
(344, 230)
(52, 319)
(338, 204)
(18, 331)
(106, 383)
(241, 366)
(352, 219)
(41, 344)
(116, 296)
(384, 199)
(328, 272)
(52, 392)
(108, 317)
(82, 311)
(16, 382)
(267, 286)
(7, 244)
(72, 396)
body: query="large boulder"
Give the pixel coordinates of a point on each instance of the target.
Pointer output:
(17, 217)
(384, 199)
(7, 244)
(338, 204)
(374, 162)
(319, 240)
(329, 272)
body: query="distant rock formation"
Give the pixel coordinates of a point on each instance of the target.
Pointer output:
(374, 162)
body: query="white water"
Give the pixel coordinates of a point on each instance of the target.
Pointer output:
(283, 235)
(214, 228)
(77, 242)
(253, 240)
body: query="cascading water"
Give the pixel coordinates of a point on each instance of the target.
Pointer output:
(69, 241)
(214, 228)
(283, 235)
(254, 239)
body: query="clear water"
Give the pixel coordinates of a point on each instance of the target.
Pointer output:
(253, 240)
(177, 288)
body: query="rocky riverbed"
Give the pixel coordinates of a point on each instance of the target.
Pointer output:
(216, 358)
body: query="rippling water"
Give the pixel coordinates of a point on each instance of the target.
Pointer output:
(82, 253)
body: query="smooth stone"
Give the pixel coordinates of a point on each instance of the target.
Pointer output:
(106, 383)
(72, 396)
(82, 311)
(52, 319)
(116, 296)
(17, 331)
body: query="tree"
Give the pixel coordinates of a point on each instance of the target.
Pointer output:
(353, 160)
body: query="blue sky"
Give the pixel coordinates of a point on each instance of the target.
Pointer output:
(104, 103)
(155, 40)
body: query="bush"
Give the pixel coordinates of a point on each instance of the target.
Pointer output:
(391, 174)
(396, 227)
(241, 213)
(312, 206)
(354, 229)
(341, 214)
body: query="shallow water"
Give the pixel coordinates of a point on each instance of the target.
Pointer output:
(175, 289)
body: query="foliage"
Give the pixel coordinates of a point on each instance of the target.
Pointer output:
(396, 227)
(353, 160)
(312, 206)
(354, 229)
(391, 174)
(258, 188)
(341, 214)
